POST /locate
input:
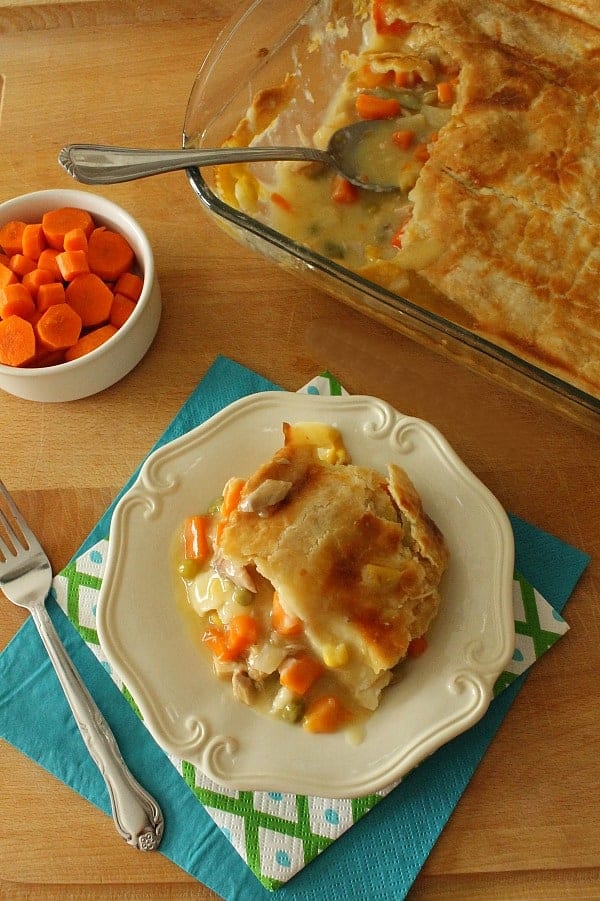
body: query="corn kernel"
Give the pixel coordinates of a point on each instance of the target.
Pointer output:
(335, 655)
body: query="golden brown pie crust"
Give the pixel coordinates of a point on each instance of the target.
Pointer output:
(512, 188)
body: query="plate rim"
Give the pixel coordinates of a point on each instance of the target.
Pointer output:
(145, 482)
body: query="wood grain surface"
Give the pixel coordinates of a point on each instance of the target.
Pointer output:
(528, 826)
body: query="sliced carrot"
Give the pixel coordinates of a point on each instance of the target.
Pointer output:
(109, 254)
(282, 622)
(21, 264)
(47, 260)
(45, 357)
(90, 341)
(48, 295)
(130, 285)
(35, 278)
(325, 714)
(72, 263)
(56, 224)
(370, 106)
(59, 327)
(403, 138)
(121, 309)
(195, 538)
(91, 298)
(33, 240)
(15, 300)
(298, 674)
(76, 239)
(343, 191)
(17, 341)
(11, 237)
(7, 276)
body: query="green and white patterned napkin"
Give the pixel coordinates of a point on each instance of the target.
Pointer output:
(278, 834)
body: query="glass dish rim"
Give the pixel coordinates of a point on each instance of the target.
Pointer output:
(393, 303)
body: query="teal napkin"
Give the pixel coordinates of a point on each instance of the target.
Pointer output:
(381, 854)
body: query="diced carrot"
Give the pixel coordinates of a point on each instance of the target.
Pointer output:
(242, 633)
(72, 263)
(21, 264)
(109, 254)
(403, 138)
(35, 278)
(367, 78)
(56, 223)
(91, 298)
(421, 153)
(11, 237)
(76, 239)
(445, 92)
(370, 106)
(284, 623)
(280, 201)
(59, 327)
(298, 674)
(216, 640)
(230, 643)
(90, 341)
(195, 538)
(121, 309)
(325, 714)
(397, 237)
(50, 294)
(17, 341)
(33, 240)
(7, 276)
(384, 25)
(47, 260)
(15, 300)
(417, 646)
(130, 285)
(231, 496)
(343, 191)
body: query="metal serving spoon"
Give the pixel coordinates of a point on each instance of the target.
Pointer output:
(97, 164)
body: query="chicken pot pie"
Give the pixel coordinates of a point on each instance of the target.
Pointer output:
(492, 109)
(314, 579)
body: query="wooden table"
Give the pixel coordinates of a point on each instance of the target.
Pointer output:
(528, 826)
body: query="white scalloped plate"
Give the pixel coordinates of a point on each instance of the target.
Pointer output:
(194, 717)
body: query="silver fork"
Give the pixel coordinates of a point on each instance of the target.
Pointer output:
(25, 579)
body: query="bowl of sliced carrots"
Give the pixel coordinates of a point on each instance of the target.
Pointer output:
(79, 299)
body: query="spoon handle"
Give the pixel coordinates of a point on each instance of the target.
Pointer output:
(97, 164)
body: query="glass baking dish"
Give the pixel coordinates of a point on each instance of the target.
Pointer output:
(267, 41)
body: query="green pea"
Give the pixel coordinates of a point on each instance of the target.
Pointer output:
(242, 596)
(292, 711)
(188, 569)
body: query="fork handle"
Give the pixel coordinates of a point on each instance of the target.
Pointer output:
(136, 814)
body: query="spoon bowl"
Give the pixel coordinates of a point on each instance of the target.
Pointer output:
(99, 164)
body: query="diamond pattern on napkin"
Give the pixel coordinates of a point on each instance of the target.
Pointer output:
(278, 834)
